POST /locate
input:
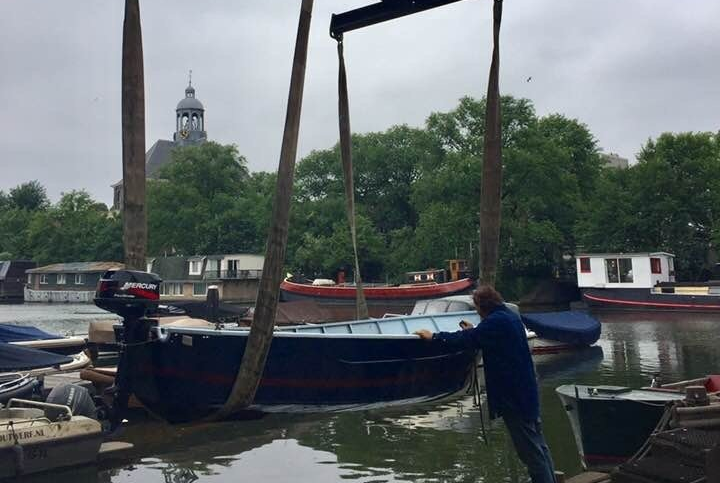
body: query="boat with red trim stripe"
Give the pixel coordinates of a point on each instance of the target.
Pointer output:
(641, 281)
(381, 298)
(330, 367)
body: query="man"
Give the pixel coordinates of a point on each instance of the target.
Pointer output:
(512, 391)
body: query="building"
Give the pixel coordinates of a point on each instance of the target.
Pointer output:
(12, 280)
(189, 130)
(613, 160)
(237, 276)
(66, 282)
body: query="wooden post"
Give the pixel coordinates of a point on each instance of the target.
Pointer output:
(491, 188)
(133, 139)
(261, 331)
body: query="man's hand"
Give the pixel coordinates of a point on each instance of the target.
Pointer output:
(424, 334)
(465, 325)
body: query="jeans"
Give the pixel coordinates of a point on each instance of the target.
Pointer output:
(529, 442)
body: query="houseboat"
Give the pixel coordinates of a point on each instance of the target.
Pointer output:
(12, 280)
(66, 282)
(641, 281)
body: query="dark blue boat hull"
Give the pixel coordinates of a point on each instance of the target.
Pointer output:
(188, 376)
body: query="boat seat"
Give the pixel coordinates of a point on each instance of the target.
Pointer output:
(713, 383)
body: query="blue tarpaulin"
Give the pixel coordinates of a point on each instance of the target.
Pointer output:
(17, 358)
(569, 327)
(20, 333)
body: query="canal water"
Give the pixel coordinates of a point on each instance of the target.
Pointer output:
(432, 443)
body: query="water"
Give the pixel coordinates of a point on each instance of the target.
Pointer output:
(435, 443)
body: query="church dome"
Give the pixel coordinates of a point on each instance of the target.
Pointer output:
(190, 102)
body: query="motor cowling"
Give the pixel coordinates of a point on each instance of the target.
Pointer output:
(128, 293)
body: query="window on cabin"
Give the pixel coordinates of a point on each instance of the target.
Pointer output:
(43, 279)
(170, 288)
(585, 265)
(79, 279)
(655, 266)
(619, 270)
(61, 279)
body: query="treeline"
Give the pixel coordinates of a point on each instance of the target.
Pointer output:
(417, 194)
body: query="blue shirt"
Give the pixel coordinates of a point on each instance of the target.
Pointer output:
(509, 372)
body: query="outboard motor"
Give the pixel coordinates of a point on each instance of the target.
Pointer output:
(130, 294)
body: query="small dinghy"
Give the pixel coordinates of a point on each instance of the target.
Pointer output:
(37, 436)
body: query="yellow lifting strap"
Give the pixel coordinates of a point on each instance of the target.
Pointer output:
(346, 154)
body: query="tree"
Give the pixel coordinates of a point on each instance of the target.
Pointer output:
(203, 203)
(30, 196)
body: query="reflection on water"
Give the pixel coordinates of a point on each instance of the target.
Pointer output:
(433, 443)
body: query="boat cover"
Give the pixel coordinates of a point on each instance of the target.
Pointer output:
(20, 333)
(17, 358)
(569, 327)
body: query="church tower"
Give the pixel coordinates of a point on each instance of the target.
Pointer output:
(189, 119)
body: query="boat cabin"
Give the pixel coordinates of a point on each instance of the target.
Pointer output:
(624, 270)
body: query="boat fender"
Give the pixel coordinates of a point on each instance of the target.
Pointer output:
(76, 397)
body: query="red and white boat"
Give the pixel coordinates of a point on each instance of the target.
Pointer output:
(381, 299)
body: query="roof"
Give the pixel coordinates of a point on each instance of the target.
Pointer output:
(170, 268)
(190, 103)
(643, 254)
(157, 157)
(77, 267)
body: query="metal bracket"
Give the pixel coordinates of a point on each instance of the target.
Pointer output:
(378, 13)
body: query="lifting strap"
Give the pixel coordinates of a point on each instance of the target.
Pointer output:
(346, 154)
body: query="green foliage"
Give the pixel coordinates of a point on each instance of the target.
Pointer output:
(668, 201)
(417, 197)
(29, 196)
(206, 202)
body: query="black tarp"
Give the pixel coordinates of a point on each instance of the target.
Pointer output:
(17, 358)
(568, 327)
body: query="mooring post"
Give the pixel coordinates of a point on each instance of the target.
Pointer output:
(491, 187)
(133, 140)
(261, 331)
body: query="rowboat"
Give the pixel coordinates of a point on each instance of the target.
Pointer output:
(330, 367)
(610, 423)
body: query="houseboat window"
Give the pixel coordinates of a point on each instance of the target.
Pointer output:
(195, 267)
(212, 266)
(619, 270)
(79, 279)
(626, 272)
(585, 265)
(170, 288)
(199, 288)
(61, 279)
(29, 278)
(655, 266)
(43, 278)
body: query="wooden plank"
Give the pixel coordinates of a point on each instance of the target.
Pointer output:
(589, 477)
(114, 450)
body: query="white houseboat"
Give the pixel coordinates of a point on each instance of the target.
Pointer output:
(641, 281)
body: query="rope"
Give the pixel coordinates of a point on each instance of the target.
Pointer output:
(346, 154)
(477, 400)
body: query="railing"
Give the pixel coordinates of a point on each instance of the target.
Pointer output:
(232, 275)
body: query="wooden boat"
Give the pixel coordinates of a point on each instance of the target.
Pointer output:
(382, 299)
(641, 281)
(610, 423)
(330, 367)
(36, 436)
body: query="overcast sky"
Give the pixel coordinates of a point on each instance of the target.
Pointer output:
(629, 69)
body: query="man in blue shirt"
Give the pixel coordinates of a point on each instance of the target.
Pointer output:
(512, 390)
